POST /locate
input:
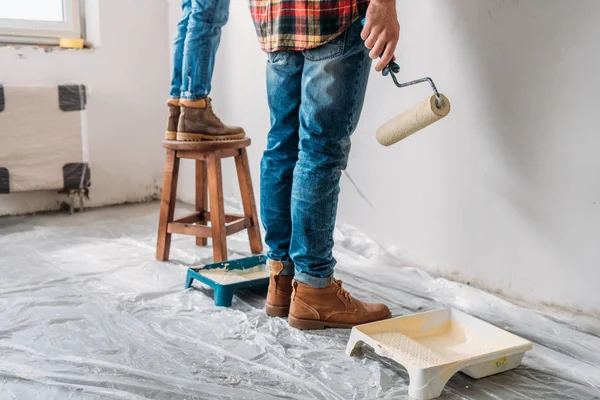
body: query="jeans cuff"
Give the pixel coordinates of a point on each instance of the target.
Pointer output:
(314, 281)
(192, 97)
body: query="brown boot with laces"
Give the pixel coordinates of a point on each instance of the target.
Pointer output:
(331, 307)
(173, 120)
(279, 296)
(199, 122)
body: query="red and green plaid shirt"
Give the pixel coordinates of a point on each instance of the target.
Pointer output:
(302, 24)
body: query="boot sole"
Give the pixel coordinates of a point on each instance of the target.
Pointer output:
(275, 311)
(171, 135)
(312, 324)
(199, 137)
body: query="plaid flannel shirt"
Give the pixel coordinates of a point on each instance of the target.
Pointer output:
(302, 24)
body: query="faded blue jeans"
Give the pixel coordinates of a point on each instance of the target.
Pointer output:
(315, 97)
(196, 43)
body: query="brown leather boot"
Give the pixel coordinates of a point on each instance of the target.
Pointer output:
(199, 122)
(331, 307)
(280, 291)
(174, 112)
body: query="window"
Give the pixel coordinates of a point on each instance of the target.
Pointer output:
(39, 21)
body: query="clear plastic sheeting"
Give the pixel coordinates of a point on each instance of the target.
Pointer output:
(86, 312)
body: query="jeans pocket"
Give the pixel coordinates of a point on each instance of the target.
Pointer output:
(333, 48)
(277, 57)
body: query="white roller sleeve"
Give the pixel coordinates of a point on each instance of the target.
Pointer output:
(412, 120)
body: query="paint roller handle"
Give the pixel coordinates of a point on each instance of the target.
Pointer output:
(392, 65)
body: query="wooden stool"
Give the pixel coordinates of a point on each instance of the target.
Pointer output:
(208, 155)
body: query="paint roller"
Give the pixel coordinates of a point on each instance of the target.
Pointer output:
(416, 118)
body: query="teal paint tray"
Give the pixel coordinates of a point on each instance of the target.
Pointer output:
(228, 276)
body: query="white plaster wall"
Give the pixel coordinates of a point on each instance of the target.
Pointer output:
(127, 79)
(505, 193)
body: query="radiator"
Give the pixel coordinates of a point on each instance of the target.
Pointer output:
(41, 139)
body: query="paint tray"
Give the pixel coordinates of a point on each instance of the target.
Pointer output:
(435, 345)
(228, 276)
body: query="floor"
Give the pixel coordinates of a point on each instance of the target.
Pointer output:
(86, 313)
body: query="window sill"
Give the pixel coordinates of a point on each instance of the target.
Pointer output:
(47, 48)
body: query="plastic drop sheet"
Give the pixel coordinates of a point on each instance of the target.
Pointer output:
(87, 313)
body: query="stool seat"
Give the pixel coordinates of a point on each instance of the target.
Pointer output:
(209, 182)
(207, 145)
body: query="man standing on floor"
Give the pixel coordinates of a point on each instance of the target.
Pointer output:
(317, 71)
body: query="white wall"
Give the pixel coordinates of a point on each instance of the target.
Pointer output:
(127, 80)
(504, 193)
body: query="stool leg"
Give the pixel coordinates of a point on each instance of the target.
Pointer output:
(201, 195)
(217, 207)
(167, 205)
(247, 191)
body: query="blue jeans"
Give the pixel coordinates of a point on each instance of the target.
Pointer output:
(196, 43)
(315, 97)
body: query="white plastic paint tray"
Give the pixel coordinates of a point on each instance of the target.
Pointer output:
(435, 345)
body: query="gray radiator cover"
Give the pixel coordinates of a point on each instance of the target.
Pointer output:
(41, 145)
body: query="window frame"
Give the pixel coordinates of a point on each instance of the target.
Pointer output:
(44, 32)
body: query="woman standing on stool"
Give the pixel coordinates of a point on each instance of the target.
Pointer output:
(191, 117)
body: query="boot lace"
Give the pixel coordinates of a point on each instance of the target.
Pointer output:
(343, 291)
(209, 101)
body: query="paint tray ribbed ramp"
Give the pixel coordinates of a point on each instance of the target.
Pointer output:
(435, 345)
